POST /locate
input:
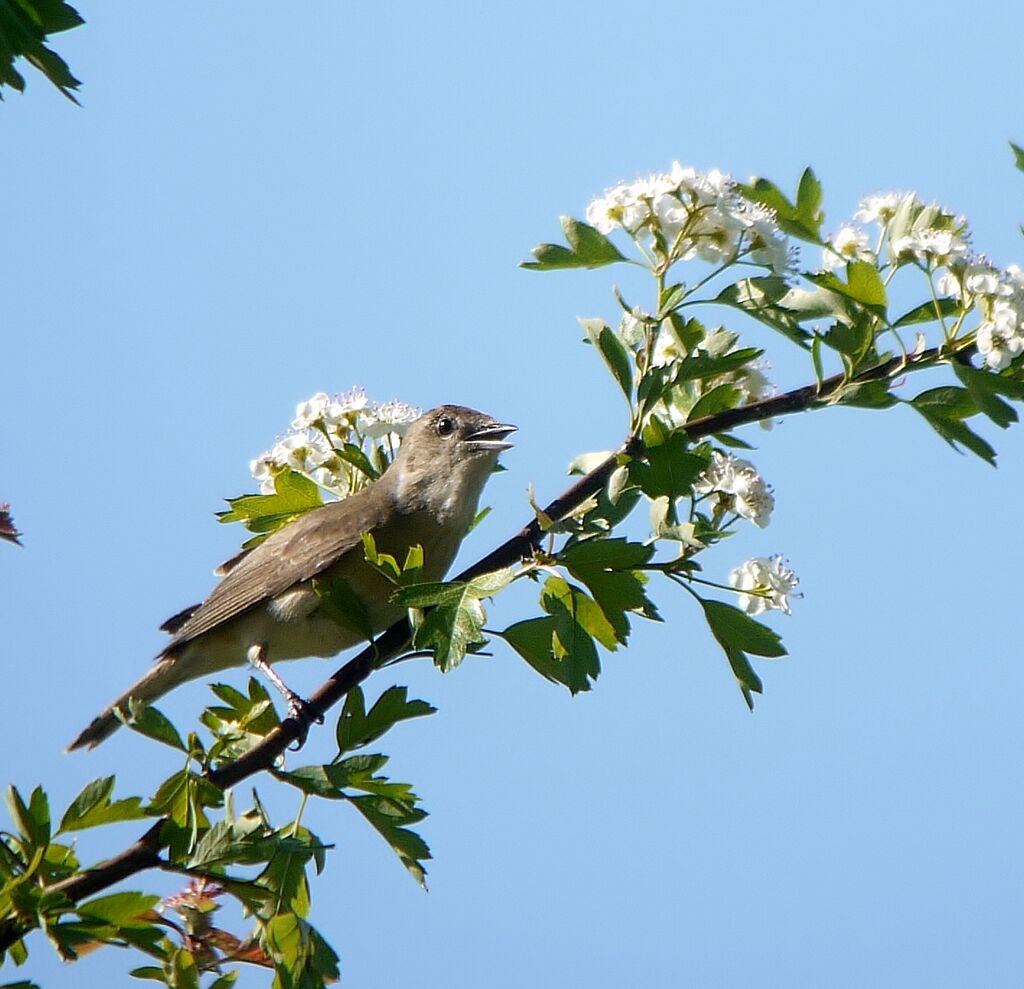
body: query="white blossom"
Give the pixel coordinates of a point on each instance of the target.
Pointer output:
(390, 418)
(749, 496)
(301, 451)
(881, 207)
(765, 584)
(999, 344)
(322, 425)
(685, 214)
(928, 244)
(849, 244)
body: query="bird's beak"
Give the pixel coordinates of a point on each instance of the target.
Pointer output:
(491, 437)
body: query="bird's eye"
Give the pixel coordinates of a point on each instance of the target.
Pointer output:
(445, 426)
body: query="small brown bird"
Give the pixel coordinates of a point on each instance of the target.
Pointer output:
(265, 608)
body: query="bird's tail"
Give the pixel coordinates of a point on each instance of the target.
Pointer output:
(165, 675)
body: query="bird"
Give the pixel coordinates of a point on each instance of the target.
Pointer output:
(265, 608)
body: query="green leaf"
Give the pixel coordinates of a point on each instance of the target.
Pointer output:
(456, 618)
(357, 728)
(983, 388)
(353, 455)
(120, 909)
(344, 606)
(928, 312)
(1018, 156)
(32, 819)
(738, 634)
(945, 409)
(768, 300)
(865, 395)
(703, 365)
(589, 244)
(612, 352)
(668, 469)
(293, 495)
(588, 248)
(24, 27)
(864, 285)
(607, 568)
(533, 640)
(802, 220)
(93, 807)
(670, 297)
(809, 197)
(391, 818)
(718, 399)
(152, 723)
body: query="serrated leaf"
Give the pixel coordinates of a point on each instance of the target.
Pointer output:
(738, 634)
(344, 606)
(703, 365)
(945, 409)
(588, 248)
(589, 244)
(612, 352)
(670, 297)
(607, 568)
(865, 395)
(357, 728)
(668, 469)
(1018, 156)
(293, 495)
(767, 300)
(864, 285)
(802, 219)
(121, 909)
(32, 819)
(928, 312)
(983, 388)
(456, 618)
(93, 807)
(390, 818)
(736, 628)
(152, 723)
(718, 399)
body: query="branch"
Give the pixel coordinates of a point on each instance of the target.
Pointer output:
(143, 854)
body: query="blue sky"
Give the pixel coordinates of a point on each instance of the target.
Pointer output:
(250, 209)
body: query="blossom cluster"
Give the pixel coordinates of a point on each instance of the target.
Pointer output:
(939, 241)
(323, 426)
(764, 584)
(686, 214)
(999, 296)
(740, 487)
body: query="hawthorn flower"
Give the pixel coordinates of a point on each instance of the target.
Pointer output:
(764, 584)
(745, 491)
(941, 246)
(1000, 342)
(321, 427)
(390, 419)
(880, 207)
(302, 451)
(684, 214)
(849, 244)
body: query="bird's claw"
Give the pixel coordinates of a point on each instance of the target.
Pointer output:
(302, 713)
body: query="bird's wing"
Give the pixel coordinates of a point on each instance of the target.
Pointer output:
(299, 551)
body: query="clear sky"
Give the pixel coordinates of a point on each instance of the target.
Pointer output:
(257, 203)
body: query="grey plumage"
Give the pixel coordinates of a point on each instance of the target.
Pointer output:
(428, 496)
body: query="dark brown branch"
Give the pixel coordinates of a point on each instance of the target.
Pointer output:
(391, 643)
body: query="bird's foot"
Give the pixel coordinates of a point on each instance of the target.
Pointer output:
(303, 714)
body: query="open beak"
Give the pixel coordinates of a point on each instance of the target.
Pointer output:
(492, 437)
